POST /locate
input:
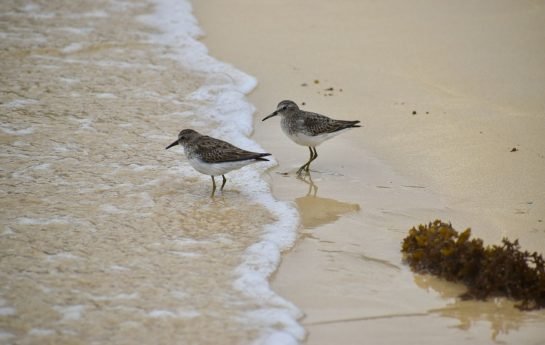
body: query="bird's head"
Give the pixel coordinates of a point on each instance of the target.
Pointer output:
(283, 108)
(184, 137)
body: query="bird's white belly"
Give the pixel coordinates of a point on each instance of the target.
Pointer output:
(216, 169)
(307, 140)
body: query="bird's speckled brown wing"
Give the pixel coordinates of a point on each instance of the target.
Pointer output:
(212, 150)
(316, 124)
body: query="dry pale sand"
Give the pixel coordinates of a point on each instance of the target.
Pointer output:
(446, 91)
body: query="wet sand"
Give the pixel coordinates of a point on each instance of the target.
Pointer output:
(451, 100)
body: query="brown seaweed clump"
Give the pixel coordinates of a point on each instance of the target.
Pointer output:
(498, 270)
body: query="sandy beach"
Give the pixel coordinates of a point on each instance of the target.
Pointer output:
(451, 98)
(106, 237)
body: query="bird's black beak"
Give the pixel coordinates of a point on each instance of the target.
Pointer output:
(173, 144)
(268, 117)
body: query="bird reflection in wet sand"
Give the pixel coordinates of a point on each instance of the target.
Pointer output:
(316, 211)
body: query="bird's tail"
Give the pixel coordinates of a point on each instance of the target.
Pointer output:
(353, 124)
(260, 156)
(341, 125)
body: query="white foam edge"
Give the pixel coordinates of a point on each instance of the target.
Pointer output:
(223, 98)
(278, 316)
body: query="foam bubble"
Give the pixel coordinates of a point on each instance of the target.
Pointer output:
(121, 296)
(77, 31)
(41, 221)
(6, 335)
(7, 311)
(185, 314)
(161, 313)
(109, 208)
(43, 166)
(118, 268)
(62, 256)
(18, 103)
(72, 312)
(72, 48)
(106, 95)
(14, 131)
(7, 231)
(41, 332)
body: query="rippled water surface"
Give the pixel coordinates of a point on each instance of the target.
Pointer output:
(106, 237)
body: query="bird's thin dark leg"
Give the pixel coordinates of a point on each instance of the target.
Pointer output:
(213, 185)
(312, 158)
(224, 181)
(305, 166)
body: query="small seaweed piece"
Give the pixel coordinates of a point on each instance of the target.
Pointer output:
(498, 270)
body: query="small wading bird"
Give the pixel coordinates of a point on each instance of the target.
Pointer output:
(308, 129)
(211, 156)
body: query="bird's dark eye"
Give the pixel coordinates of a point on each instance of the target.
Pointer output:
(285, 107)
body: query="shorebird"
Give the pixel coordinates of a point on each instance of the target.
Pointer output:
(214, 157)
(308, 129)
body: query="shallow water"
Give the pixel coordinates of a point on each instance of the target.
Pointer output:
(106, 237)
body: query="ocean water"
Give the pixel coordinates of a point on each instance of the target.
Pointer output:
(106, 237)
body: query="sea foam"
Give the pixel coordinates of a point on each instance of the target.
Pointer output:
(221, 101)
